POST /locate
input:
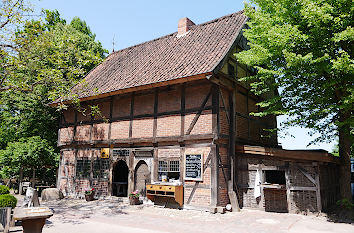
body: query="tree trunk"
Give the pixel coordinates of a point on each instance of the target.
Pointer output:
(345, 143)
(33, 177)
(20, 181)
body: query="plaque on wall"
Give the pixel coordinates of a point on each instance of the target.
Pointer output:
(143, 153)
(193, 167)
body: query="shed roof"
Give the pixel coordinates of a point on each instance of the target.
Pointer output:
(167, 58)
(306, 155)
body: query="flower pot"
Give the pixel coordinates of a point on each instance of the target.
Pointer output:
(89, 197)
(134, 201)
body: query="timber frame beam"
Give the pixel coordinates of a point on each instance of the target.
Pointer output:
(321, 156)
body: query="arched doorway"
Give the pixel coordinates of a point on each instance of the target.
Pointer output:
(142, 177)
(120, 179)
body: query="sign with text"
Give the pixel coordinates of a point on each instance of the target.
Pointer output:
(193, 169)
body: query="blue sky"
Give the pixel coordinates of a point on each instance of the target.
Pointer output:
(135, 21)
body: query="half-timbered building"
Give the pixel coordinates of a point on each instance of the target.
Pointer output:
(173, 111)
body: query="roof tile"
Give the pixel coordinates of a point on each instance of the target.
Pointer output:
(165, 58)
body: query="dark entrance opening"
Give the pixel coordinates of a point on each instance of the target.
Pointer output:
(275, 177)
(120, 179)
(275, 199)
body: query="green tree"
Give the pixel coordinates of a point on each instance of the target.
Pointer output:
(12, 16)
(50, 58)
(53, 54)
(29, 153)
(304, 49)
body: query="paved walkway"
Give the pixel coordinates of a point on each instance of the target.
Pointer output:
(117, 216)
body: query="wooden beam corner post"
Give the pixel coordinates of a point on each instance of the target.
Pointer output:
(214, 149)
(156, 102)
(318, 188)
(131, 115)
(214, 177)
(288, 186)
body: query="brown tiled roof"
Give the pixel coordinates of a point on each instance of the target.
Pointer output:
(165, 58)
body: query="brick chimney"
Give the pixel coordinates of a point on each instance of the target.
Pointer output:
(183, 26)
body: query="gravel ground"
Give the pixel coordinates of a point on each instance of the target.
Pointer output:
(116, 215)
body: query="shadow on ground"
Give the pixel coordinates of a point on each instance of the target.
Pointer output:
(75, 211)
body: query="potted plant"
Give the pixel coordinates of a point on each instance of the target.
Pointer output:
(134, 197)
(89, 193)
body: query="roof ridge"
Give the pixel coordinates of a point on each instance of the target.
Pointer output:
(145, 42)
(221, 18)
(161, 37)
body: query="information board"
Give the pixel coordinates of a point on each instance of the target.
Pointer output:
(193, 169)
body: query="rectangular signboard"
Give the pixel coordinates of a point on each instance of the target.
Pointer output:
(193, 169)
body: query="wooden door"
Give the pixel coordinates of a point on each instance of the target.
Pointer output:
(142, 177)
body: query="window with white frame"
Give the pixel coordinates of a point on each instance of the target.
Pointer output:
(170, 169)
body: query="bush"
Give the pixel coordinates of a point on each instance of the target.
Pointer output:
(346, 204)
(7, 200)
(4, 190)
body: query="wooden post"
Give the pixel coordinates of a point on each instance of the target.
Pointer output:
(156, 105)
(111, 104)
(110, 175)
(234, 129)
(92, 118)
(287, 181)
(72, 188)
(131, 175)
(110, 121)
(91, 168)
(75, 127)
(214, 177)
(155, 175)
(181, 161)
(131, 116)
(261, 202)
(318, 189)
(183, 107)
(232, 138)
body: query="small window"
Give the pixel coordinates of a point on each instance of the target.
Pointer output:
(83, 167)
(174, 166)
(275, 177)
(100, 168)
(163, 166)
(121, 152)
(96, 169)
(169, 168)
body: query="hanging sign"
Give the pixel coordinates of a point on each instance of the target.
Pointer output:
(104, 153)
(193, 169)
